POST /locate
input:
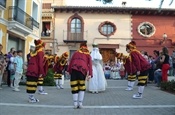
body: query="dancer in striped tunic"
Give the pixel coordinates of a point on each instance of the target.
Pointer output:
(131, 71)
(35, 69)
(80, 67)
(141, 65)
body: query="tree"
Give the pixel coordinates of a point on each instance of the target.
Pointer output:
(105, 1)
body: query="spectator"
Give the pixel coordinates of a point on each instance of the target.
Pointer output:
(2, 64)
(165, 64)
(18, 62)
(158, 69)
(12, 68)
(173, 59)
(9, 55)
(107, 70)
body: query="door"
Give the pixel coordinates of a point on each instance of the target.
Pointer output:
(108, 54)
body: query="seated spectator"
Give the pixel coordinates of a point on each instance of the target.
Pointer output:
(107, 70)
(158, 77)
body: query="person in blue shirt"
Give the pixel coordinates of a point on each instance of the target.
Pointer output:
(18, 62)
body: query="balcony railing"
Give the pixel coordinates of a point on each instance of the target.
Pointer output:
(3, 3)
(35, 23)
(75, 37)
(20, 16)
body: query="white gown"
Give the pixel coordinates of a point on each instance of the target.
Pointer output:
(115, 72)
(98, 82)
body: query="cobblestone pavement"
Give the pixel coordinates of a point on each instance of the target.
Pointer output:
(114, 101)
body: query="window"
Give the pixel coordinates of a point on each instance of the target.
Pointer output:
(2, 4)
(107, 28)
(146, 29)
(46, 29)
(75, 28)
(1, 13)
(35, 11)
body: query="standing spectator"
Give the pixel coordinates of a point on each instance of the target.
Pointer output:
(9, 55)
(80, 67)
(142, 67)
(173, 59)
(165, 64)
(151, 70)
(2, 64)
(18, 62)
(12, 68)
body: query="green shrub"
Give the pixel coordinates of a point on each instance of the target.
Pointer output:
(168, 86)
(49, 80)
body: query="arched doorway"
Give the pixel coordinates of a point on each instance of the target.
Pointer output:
(108, 54)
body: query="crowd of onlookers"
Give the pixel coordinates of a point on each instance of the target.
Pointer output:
(115, 70)
(11, 68)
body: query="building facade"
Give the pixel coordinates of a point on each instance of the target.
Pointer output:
(111, 28)
(19, 24)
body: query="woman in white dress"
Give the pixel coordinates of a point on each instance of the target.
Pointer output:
(115, 71)
(98, 82)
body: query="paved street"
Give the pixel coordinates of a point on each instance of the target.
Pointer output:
(114, 101)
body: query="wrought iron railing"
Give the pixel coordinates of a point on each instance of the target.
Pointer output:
(3, 3)
(20, 16)
(75, 36)
(35, 23)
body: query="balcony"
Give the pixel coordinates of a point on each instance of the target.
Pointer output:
(69, 37)
(35, 23)
(2, 4)
(20, 21)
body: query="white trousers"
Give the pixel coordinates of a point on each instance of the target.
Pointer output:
(17, 79)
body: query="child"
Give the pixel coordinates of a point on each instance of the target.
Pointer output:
(18, 62)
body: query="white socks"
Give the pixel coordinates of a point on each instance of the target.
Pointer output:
(31, 96)
(80, 97)
(40, 88)
(132, 84)
(141, 89)
(129, 84)
(56, 81)
(75, 99)
(60, 82)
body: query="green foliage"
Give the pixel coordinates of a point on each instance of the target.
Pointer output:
(106, 1)
(49, 80)
(168, 86)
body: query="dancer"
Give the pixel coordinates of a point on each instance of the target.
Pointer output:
(98, 82)
(58, 70)
(41, 79)
(79, 68)
(35, 69)
(131, 71)
(142, 67)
